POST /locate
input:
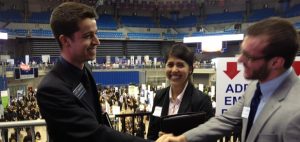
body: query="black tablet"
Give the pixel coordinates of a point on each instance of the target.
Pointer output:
(180, 123)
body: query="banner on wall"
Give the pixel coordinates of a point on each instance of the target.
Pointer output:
(231, 84)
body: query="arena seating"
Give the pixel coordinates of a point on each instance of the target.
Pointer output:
(41, 33)
(144, 35)
(137, 21)
(227, 17)
(188, 21)
(261, 14)
(11, 16)
(106, 22)
(178, 36)
(293, 11)
(166, 22)
(114, 35)
(39, 17)
(21, 32)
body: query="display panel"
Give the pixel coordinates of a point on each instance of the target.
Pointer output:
(25, 74)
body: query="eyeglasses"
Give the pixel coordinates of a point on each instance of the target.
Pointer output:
(250, 57)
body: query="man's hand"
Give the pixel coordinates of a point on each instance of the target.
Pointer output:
(171, 138)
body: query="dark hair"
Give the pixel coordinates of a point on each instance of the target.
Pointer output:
(37, 135)
(182, 52)
(282, 38)
(66, 17)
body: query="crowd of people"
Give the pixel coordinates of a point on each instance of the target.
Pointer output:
(121, 98)
(22, 108)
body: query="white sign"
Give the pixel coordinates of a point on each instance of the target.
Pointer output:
(133, 91)
(117, 60)
(230, 83)
(26, 59)
(131, 60)
(46, 58)
(108, 61)
(139, 60)
(201, 87)
(3, 35)
(11, 61)
(116, 110)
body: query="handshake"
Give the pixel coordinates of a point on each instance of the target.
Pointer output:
(164, 137)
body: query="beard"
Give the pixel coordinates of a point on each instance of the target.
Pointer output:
(260, 74)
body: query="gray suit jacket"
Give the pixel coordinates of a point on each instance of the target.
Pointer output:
(279, 120)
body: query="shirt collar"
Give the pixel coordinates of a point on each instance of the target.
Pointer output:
(180, 96)
(269, 87)
(76, 72)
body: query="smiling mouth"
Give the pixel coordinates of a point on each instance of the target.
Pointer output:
(91, 48)
(174, 77)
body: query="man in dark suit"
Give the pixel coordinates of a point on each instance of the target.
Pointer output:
(269, 109)
(67, 96)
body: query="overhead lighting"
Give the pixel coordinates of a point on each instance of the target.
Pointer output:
(3, 35)
(213, 43)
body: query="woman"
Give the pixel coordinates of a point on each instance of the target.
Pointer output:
(181, 96)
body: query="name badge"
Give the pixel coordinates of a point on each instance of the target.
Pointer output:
(157, 111)
(79, 91)
(246, 112)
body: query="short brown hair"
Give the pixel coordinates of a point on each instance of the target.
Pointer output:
(282, 38)
(66, 17)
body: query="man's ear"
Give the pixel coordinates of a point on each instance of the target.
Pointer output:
(277, 62)
(64, 41)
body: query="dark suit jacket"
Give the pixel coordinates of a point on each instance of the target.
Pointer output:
(193, 101)
(68, 117)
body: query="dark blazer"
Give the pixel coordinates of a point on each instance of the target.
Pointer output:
(70, 118)
(193, 101)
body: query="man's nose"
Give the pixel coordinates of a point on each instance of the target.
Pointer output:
(240, 58)
(96, 41)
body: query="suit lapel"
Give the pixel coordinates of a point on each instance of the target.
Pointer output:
(248, 97)
(186, 100)
(95, 91)
(271, 107)
(165, 107)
